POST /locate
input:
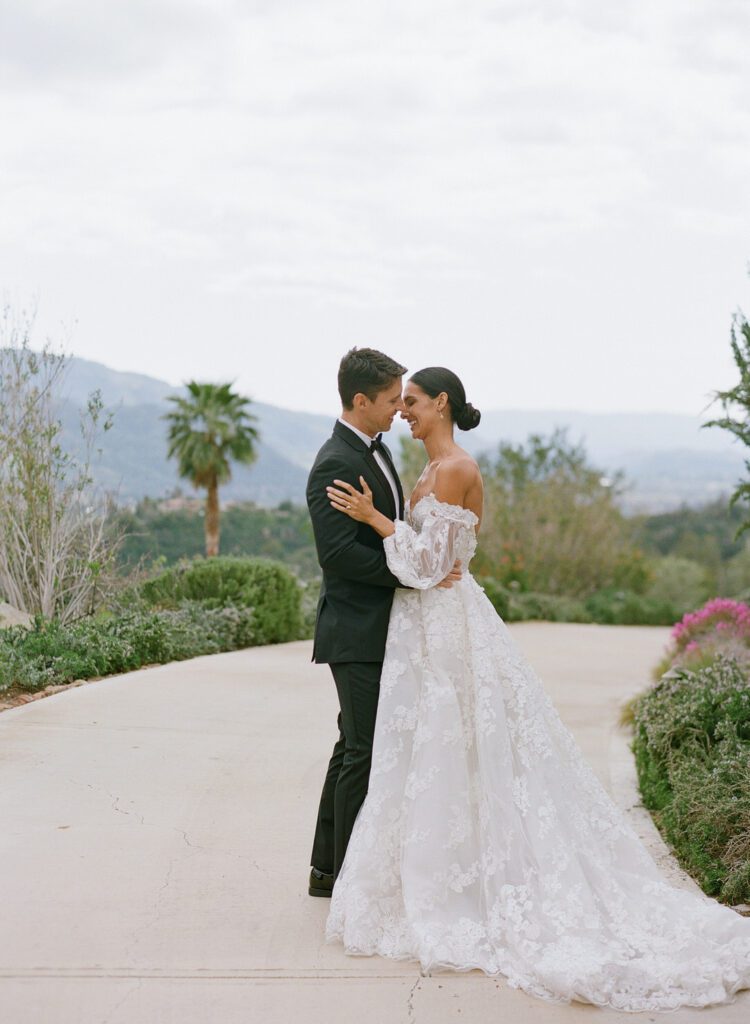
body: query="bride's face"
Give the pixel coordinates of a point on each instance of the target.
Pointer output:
(420, 411)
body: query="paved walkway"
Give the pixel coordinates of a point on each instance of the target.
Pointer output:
(156, 834)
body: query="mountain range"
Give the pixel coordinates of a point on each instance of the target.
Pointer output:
(667, 458)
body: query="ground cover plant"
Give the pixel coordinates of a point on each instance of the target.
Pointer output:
(610, 606)
(53, 653)
(692, 749)
(267, 588)
(204, 607)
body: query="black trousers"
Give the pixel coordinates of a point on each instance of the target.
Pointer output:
(348, 775)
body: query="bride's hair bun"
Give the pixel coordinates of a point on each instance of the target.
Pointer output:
(433, 380)
(468, 417)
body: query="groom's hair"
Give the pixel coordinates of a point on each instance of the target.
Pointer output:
(366, 371)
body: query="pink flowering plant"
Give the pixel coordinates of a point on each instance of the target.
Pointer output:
(721, 615)
(721, 626)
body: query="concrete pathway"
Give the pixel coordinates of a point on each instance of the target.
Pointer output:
(157, 829)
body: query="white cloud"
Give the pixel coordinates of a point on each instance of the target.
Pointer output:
(333, 171)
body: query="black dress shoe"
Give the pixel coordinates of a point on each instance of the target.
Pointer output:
(321, 884)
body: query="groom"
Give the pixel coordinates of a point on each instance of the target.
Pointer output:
(357, 591)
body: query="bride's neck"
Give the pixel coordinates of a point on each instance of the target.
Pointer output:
(439, 444)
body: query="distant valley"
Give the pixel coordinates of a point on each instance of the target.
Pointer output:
(668, 460)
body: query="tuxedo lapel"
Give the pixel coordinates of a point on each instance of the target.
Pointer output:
(372, 462)
(385, 490)
(399, 488)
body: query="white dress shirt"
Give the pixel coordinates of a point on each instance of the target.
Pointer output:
(379, 459)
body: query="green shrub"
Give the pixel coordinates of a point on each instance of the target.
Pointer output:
(309, 609)
(195, 608)
(692, 753)
(736, 572)
(517, 606)
(499, 595)
(101, 646)
(267, 588)
(679, 582)
(708, 817)
(614, 607)
(547, 608)
(626, 608)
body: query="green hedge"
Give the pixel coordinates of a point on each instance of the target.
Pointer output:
(195, 608)
(516, 606)
(692, 752)
(101, 646)
(266, 587)
(626, 608)
(613, 607)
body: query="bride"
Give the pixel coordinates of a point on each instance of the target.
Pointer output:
(485, 840)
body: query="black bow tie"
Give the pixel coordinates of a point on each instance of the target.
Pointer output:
(376, 445)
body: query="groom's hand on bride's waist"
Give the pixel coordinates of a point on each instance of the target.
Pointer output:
(454, 576)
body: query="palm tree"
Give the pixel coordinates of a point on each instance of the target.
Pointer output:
(206, 429)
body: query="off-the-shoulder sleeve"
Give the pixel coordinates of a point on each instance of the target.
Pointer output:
(423, 558)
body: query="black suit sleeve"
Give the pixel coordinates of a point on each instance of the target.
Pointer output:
(339, 551)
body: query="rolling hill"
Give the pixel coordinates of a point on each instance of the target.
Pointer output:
(668, 458)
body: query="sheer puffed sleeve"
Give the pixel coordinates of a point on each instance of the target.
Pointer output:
(423, 558)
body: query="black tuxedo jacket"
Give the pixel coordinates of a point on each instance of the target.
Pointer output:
(357, 590)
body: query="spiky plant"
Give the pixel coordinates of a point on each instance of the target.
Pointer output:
(738, 398)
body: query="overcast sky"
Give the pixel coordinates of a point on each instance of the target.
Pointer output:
(549, 197)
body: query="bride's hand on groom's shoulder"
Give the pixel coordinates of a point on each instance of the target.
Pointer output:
(353, 503)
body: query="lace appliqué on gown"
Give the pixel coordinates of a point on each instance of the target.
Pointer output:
(485, 840)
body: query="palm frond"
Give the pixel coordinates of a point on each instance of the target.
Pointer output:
(208, 429)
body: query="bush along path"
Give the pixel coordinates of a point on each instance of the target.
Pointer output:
(692, 748)
(611, 607)
(202, 607)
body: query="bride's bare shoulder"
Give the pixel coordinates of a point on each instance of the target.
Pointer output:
(457, 476)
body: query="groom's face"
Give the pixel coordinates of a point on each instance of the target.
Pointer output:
(381, 410)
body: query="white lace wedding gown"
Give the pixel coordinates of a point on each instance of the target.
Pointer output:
(485, 840)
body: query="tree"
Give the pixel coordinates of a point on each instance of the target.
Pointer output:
(58, 545)
(551, 522)
(738, 396)
(207, 429)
